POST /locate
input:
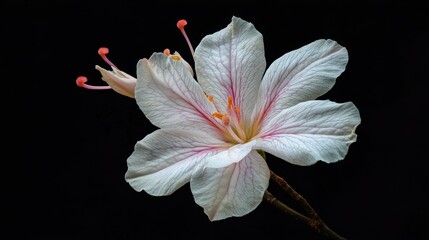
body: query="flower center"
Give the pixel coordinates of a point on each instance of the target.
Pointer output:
(230, 122)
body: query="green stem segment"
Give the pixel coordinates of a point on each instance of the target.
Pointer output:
(312, 220)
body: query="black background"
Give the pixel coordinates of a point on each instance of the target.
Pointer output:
(65, 148)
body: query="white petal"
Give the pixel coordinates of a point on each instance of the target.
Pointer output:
(119, 81)
(235, 190)
(169, 96)
(300, 75)
(311, 131)
(232, 155)
(188, 66)
(231, 62)
(165, 160)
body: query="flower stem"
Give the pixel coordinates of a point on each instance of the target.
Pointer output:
(313, 220)
(295, 195)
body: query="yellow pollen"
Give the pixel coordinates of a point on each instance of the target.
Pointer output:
(210, 98)
(175, 57)
(217, 115)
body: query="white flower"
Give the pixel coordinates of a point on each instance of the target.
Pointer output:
(210, 130)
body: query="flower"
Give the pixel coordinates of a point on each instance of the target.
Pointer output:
(211, 130)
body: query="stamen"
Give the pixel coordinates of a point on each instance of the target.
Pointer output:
(217, 115)
(210, 98)
(229, 104)
(233, 135)
(235, 122)
(175, 57)
(181, 26)
(167, 53)
(103, 51)
(230, 120)
(225, 120)
(81, 82)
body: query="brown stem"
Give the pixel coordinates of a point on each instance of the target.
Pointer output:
(295, 195)
(286, 209)
(313, 220)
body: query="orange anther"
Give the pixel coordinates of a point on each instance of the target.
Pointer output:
(175, 57)
(210, 98)
(229, 102)
(225, 120)
(217, 115)
(167, 52)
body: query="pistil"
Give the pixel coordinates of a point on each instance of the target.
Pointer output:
(81, 80)
(181, 26)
